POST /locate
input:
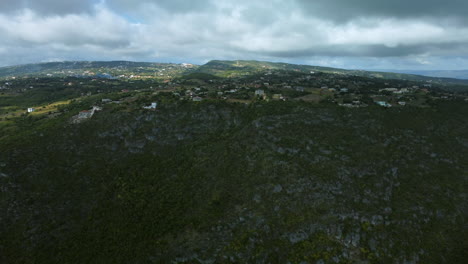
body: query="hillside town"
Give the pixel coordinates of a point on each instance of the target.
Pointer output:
(265, 84)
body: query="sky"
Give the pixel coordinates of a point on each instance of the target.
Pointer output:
(353, 34)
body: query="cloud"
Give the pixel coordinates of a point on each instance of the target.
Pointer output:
(102, 28)
(295, 31)
(345, 11)
(173, 6)
(48, 7)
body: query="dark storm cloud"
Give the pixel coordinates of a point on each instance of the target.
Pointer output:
(346, 10)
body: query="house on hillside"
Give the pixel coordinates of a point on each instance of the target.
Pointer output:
(152, 106)
(278, 97)
(259, 92)
(404, 90)
(299, 88)
(85, 114)
(30, 110)
(383, 103)
(392, 90)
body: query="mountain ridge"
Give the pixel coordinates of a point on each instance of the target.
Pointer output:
(220, 68)
(457, 74)
(362, 73)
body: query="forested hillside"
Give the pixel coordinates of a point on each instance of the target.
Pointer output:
(217, 182)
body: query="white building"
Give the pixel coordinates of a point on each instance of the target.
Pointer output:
(30, 110)
(383, 103)
(389, 90)
(152, 106)
(85, 114)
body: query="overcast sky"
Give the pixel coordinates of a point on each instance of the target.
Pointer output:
(364, 34)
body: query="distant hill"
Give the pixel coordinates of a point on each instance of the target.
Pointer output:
(459, 74)
(77, 67)
(220, 68)
(242, 67)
